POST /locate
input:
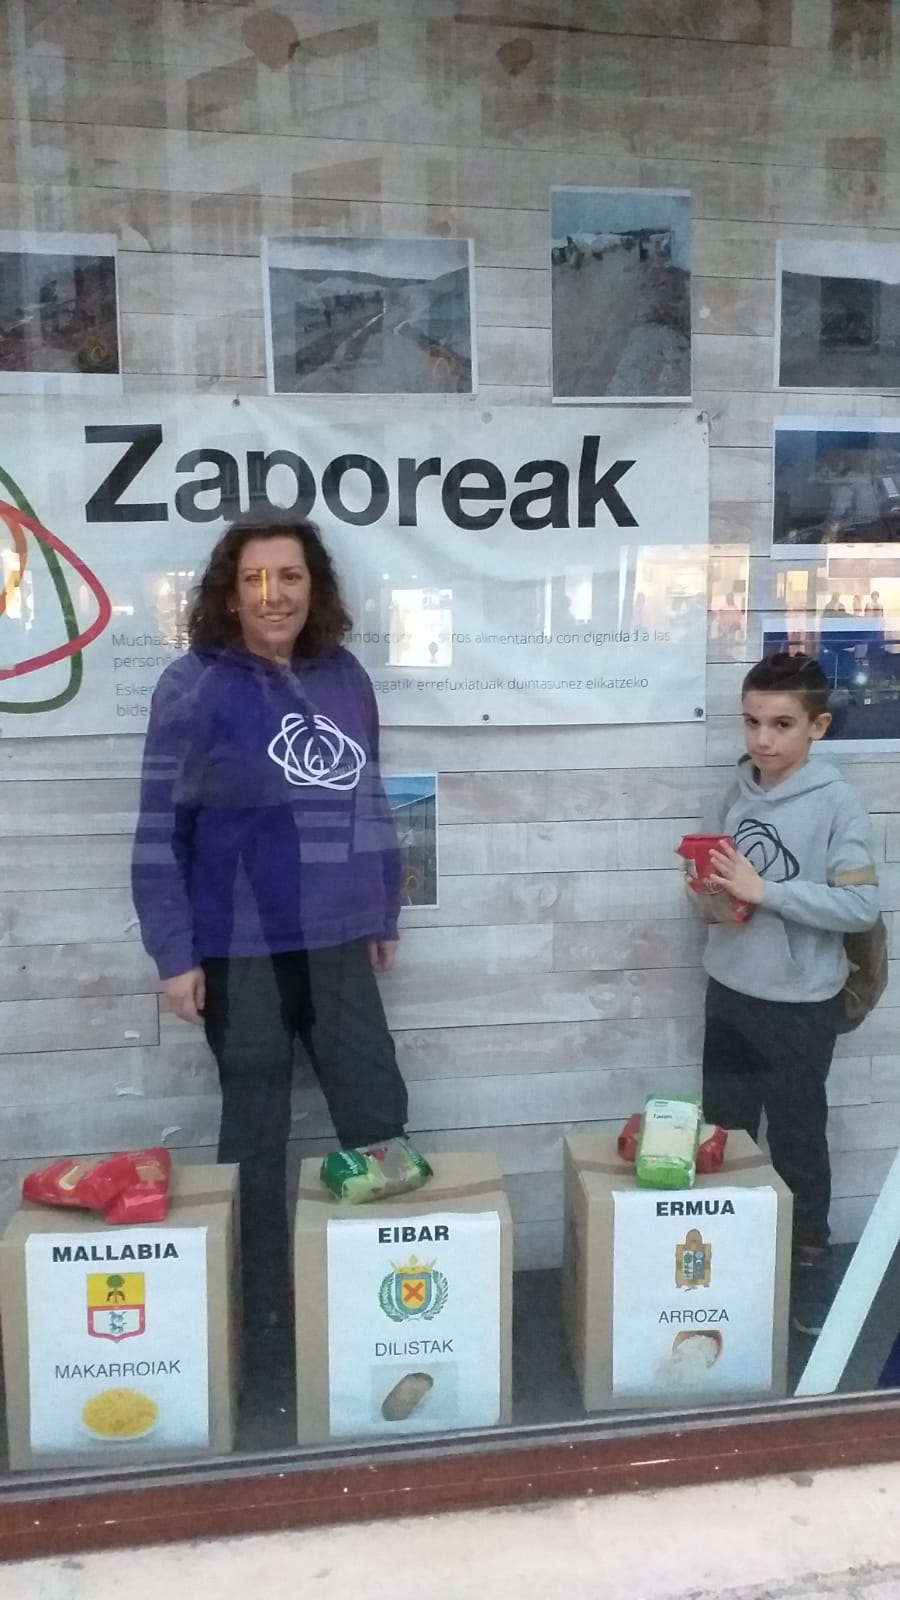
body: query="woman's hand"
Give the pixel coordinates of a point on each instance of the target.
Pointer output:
(186, 994)
(733, 872)
(382, 953)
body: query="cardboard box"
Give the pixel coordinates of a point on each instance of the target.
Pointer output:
(653, 1317)
(141, 1316)
(418, 1287)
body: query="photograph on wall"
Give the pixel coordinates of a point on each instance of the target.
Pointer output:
(837, 315)
(59, 314)
(860, 657)
(620, 275)
(413, 802)
(836, 481)
(369, 316)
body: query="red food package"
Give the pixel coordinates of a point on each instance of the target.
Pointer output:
(628, 1138)
(697, 850)
(99, 1184)
(89, 1182)
(710, 1152)
(146, 1198)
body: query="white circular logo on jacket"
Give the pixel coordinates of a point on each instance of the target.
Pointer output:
(313, 750)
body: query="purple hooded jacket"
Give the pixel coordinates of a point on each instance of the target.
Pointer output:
(263, 822)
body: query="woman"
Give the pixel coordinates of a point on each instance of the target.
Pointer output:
(266, 873)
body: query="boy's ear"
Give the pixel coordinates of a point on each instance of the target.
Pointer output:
(819, 725)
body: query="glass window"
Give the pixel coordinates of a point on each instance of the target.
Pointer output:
(416, 425)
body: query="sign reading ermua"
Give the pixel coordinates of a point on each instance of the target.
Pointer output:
(117, 1340)
(513, 567)
(414, 1323)
(694, 1291)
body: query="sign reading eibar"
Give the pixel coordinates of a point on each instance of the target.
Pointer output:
(387, 1310)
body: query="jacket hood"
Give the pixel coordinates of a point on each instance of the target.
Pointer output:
(235, 655)
(817, 772)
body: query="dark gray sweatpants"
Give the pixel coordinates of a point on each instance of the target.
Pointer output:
(774, 1056)
(256, 1007)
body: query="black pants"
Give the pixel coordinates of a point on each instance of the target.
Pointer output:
(255, 1009)
(774, 1056)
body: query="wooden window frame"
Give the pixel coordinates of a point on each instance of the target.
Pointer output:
(57, 1514)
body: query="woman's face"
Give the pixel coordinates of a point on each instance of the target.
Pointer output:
(272, 594)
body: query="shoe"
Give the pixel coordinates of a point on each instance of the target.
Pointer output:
(812, 1289)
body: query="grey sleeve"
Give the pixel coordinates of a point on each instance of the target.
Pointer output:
(714, 811)
(849, 902)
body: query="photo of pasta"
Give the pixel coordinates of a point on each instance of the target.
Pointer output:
(119, 1414)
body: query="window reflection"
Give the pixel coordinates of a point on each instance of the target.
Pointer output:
(729, 574)
(420, 627)
(18, 589)
(662, 589)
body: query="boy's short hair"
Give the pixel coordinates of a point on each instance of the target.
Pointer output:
(786, 674)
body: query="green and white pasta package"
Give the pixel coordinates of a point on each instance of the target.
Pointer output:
(667, 1144)
(375, 1171)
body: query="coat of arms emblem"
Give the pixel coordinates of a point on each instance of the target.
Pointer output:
(115, 1305)
(693, 1261)
(415, 1289)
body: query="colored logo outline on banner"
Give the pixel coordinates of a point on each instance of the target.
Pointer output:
(20, 519)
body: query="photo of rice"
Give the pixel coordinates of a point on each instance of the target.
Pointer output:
(694, 1352)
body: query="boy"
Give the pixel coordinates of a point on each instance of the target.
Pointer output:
(805, 862)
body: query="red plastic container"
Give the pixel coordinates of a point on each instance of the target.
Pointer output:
(697, 850)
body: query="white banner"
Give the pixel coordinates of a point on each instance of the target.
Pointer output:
(513, 567)
(414, 1323)
(693, 1291)
(117, 1340)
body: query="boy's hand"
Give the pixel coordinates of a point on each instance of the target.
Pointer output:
(733, 872)
(710, 907)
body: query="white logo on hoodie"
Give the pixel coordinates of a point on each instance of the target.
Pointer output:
(314, 751)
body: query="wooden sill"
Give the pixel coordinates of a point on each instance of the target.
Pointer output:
(57, 1515)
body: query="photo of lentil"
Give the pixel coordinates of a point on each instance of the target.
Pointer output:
(401, 1401)
(410, 1396)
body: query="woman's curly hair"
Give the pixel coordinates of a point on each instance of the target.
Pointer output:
(211, 621)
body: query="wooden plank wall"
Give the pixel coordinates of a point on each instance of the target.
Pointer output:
(559, 980)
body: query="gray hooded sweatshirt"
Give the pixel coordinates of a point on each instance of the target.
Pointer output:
(810, 839)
